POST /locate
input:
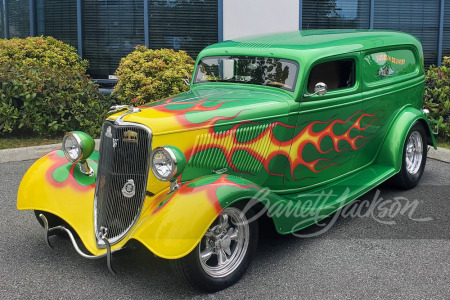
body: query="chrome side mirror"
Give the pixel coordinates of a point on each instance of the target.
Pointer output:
(187, 81)
(319, 89)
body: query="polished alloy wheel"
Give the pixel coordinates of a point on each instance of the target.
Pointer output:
(414, 153)
(225, 244)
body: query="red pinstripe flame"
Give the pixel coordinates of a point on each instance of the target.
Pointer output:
(295, 155)
(180, 114)
(306, 136)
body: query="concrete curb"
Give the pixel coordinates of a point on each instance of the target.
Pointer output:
(35, 152)
(441, 154)
(28, 153)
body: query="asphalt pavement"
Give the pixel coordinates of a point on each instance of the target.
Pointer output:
(385, 254)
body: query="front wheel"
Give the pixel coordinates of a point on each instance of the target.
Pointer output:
(224, 253)
(414, 158)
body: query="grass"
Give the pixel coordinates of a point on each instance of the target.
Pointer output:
(443, 144)
(16, 142)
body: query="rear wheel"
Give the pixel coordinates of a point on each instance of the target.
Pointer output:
(224, 253)
(414, 158)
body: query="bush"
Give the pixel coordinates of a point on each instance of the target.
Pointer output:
(437, 97)
(147, 75)
(44, 89)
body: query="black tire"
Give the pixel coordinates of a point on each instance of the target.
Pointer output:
(412, 170)
(192, 270)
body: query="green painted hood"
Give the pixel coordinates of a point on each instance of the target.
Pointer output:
(213, 105)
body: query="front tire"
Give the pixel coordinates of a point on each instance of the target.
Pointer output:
(414, 158)
(224, 253)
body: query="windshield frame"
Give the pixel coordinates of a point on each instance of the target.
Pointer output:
(291, 61)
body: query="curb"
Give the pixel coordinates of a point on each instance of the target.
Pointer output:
(35, 152)
(440, 154)
(29, 153)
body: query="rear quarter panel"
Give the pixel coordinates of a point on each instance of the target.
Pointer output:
(393, 79)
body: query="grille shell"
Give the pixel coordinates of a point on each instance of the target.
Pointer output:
(127, 160)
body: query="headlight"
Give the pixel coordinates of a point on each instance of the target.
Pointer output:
(77, 146)
(167, 162)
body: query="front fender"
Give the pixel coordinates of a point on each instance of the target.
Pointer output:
(392, 149)
(175, 223)
(54, 185)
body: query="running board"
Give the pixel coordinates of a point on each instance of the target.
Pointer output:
(327, 199)
(108, 253)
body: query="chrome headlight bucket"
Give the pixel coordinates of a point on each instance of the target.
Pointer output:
(167, 162)
(77, 146)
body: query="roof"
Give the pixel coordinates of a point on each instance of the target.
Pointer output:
(322, 42)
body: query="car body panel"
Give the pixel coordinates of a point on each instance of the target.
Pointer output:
(284, 149)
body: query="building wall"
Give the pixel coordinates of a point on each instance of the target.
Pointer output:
(252, 17)
(110, 29)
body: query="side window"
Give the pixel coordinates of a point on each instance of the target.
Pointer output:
(388, 64)
(337, 74)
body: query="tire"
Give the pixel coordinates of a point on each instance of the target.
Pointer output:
(235, 243)
(414, 158)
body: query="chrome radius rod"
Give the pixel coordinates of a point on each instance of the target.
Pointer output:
(108, 253)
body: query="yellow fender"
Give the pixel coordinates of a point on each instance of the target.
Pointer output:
(175, 223)
(51, 185)
(171, 224)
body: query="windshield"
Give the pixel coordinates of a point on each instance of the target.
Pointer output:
(269, 71)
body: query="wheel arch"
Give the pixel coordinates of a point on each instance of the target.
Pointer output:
(174, 226)
(391, 151)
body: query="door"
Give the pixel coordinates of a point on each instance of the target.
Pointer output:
(328, 133)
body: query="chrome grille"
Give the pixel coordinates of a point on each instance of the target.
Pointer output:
(124, 158)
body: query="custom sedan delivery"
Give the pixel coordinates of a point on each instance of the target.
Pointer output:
(266, 122)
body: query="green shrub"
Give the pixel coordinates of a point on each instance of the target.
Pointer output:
(43, 51)
(147, 75)
(437, 97)
(44, 89)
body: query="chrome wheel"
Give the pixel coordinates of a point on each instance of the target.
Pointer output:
(225, 244)
(414, 153)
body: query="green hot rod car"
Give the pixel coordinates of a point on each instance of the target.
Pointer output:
(267, 121)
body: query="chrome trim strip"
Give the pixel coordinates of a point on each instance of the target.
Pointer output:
(100, 243)
(131, 110)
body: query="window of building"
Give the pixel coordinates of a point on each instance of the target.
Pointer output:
(2, 21)
(335, 14)
(111, 30)
(189, 25)
(446, 33)
(417, 17)
(336, 75)
(58, 18)
(18, 12)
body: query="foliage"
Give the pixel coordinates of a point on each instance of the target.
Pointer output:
(147, 75)
(437, 97)
(44, 89)
(45, 51)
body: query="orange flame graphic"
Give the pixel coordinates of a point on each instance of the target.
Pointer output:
(293, 149)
